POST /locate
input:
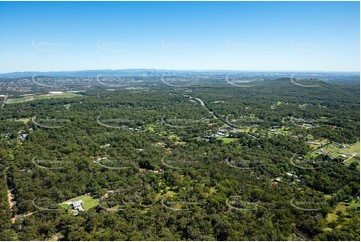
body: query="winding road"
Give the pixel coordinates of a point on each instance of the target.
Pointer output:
(228, 124)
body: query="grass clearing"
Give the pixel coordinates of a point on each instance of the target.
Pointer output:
(281, 130)
(24, 120)
(65, 206)
(168, 194)
(227, 140)
(349, 153)
(342, 207)
(173, 137)
(89, 202)
(150, 127)
(355, 150)
(41, 97)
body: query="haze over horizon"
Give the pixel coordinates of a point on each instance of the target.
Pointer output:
(181, 70)
(235, 36)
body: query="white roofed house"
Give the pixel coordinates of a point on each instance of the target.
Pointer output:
(55, 92)
(77, 205)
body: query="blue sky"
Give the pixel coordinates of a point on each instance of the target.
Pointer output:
(269, 36)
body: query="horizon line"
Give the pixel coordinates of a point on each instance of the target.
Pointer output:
(184, 70)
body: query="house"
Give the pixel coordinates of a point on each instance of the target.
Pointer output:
(100, 159)
(276, 180)
(216, 136)
(142, 171)
(55, 92)
(221, 134)
(6, 135)
(77, 205)
(223, 131)
(290, 174)
(22, 135)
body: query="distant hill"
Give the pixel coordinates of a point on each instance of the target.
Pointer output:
(78, 73)
(341, 77)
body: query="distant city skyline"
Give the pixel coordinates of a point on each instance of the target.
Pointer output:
(205, 36)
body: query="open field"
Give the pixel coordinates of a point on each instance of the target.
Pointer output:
(349, 153)
(342, 207)
(41, 97)
(89, 202)
(227, 140)
(179, 172)
(168, 194)
(281, 130)
(24, 120)
(150, 127)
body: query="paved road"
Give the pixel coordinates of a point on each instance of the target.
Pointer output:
(216, 117)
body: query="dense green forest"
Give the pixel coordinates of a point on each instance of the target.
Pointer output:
(207, 161)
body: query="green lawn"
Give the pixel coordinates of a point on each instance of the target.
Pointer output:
(150, 127)
(334, 151)
(89, 202)
(41, 97)
(282, 130)
(173, 137)
(168, 194)
(342, 206)
(24, 120)
(227, 140)
(354, 149)
(65, 206)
